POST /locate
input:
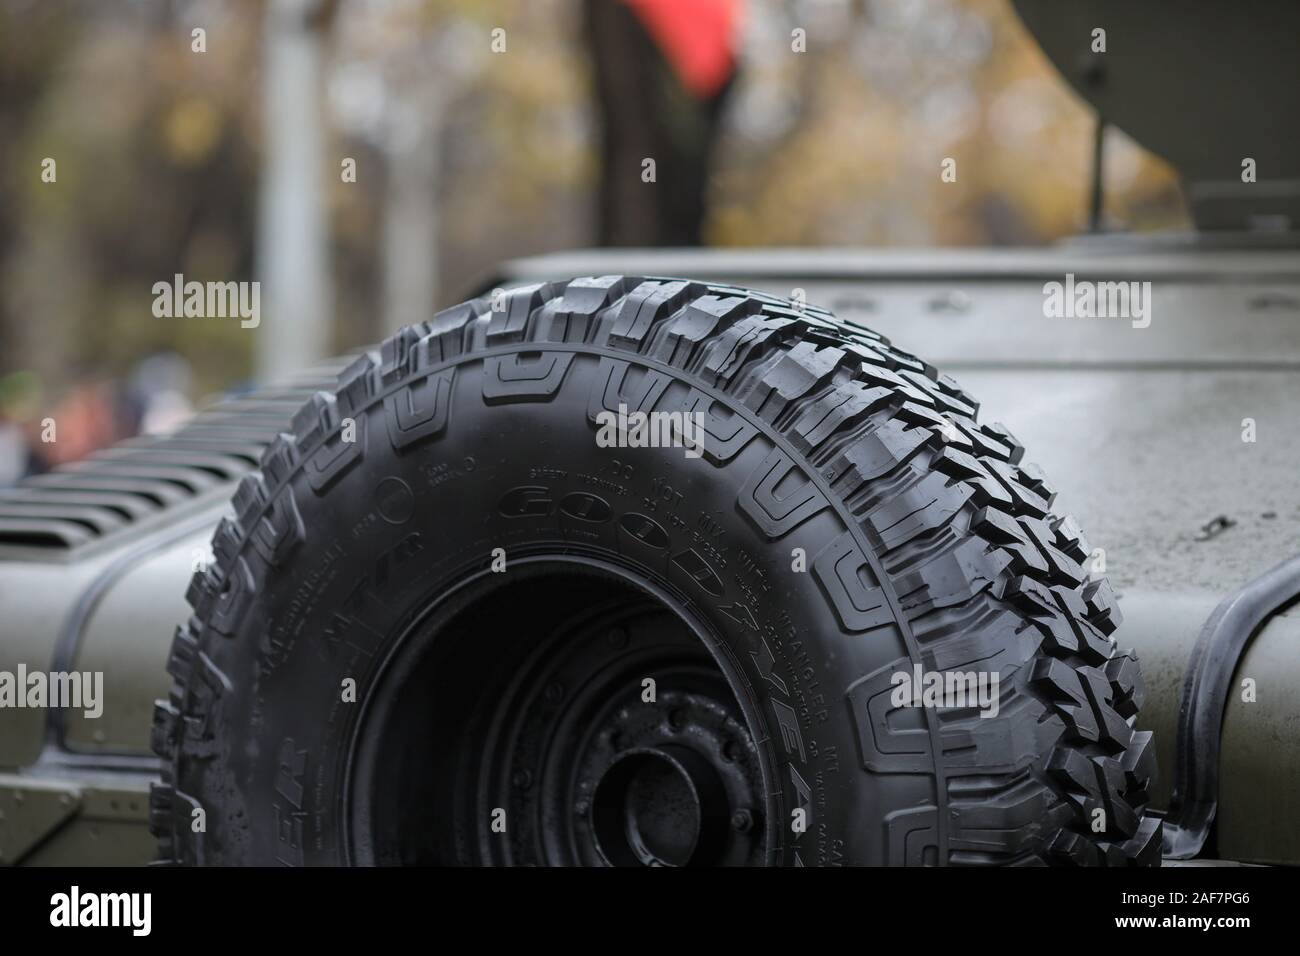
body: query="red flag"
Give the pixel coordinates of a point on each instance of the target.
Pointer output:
(697, 38)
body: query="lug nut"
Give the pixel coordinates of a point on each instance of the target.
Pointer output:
(742, 821)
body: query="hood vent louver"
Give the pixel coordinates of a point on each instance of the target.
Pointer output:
(136, 480)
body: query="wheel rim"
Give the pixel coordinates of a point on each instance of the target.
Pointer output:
(506, 728)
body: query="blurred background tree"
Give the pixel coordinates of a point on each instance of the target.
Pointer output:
(465, 156)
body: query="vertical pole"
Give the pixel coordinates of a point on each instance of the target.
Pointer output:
(291, 243)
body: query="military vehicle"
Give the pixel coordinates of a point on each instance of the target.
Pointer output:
(623, 569)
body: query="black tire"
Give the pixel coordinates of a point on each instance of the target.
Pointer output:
(926, 541)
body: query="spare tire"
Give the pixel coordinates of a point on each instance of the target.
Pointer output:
(476, 609)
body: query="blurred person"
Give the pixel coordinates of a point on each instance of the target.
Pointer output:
(89, 417)
(663, 69)
(19, 399)
(13, 451)
(159, 393)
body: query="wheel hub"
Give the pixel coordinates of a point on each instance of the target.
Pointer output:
(610, 737)
(648, 809)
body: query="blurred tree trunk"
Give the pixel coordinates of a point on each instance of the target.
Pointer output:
(424, 75)
(410, 240)
(646, 112)
(410, 246)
